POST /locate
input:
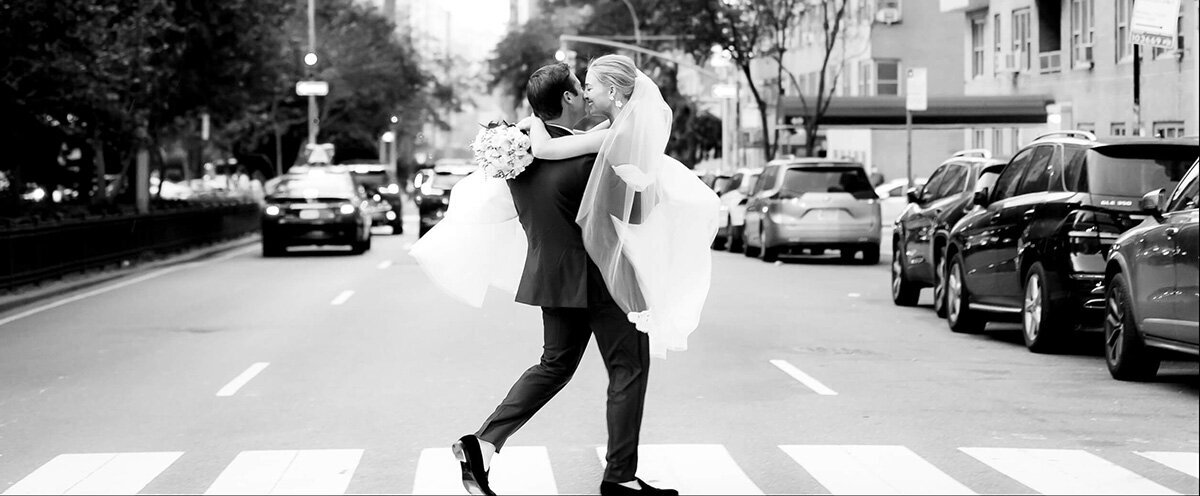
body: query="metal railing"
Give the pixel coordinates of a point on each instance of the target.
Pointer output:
(34, 253)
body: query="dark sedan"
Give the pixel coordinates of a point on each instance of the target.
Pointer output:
(381, 184)
(315, 208)
(1153, 284)
(921, 231)
(433, 187)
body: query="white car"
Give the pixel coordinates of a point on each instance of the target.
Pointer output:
(893, 197)
(732, 219)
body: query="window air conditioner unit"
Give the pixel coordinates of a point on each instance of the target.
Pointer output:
(1009, 62)
(887, 11)
(1083, 56)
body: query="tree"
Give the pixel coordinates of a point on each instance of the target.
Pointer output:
(831, 16)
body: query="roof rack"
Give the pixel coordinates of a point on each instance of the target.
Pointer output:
(974, 152)
(1087, 135)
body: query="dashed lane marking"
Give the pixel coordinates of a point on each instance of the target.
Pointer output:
(342, 298)
(805, 379)
(241, 380)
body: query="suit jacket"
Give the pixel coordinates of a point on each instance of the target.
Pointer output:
(547, 196)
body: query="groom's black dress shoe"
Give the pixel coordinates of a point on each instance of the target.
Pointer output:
(614, 489)
(470, 459)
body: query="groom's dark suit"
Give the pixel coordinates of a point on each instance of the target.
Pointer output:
(560, 277)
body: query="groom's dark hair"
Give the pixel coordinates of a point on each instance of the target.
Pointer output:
(545, 89)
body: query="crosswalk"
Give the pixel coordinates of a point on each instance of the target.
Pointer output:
(691, 468)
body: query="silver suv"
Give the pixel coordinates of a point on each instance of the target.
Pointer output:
(813, 204)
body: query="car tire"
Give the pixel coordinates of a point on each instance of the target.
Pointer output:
(765, 252)
(1042, 324)
(939, 284)
(397, 227)
(870, 254)
(421, 230)
(719, 242)
(735, 240)
(273, 248)
(905, 293)
(847, 254)
(747, 250)
(1127, 356)
(959, 314)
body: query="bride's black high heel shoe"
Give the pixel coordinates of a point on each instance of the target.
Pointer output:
(470, 460)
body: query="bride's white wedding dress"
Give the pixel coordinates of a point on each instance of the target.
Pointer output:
(641, 208)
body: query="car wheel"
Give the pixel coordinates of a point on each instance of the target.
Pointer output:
(273, 248)
(959, 314)
(847, 254)
(748, 250)
(397, 227)
(871, 254)
(1127, 356)
(1041, 321)
(735, 240)
(939, 285)
(422, 229)
(904, 292)
(766, 252)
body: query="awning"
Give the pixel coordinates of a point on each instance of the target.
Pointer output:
(867, 111)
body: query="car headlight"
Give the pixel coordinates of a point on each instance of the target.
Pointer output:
(391, 215)
(272, 210)
(346, 209)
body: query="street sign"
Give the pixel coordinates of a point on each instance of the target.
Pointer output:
(312, 88)
(1154, 23)
(915, 89)
(724, 91)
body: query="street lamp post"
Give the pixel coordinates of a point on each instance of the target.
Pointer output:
(310, 60)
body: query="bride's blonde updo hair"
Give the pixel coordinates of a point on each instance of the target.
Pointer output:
(617, 71)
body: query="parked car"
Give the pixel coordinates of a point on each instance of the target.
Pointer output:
(1036, 250)
(317, 207)
(433, 187)
(721, 183)
(732, 219)
(812, 204)
(920, 232)
(1153, 284)
(381, 184)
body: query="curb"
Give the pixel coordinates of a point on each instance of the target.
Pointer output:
(84, 280)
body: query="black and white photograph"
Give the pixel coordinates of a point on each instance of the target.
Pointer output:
(613, 247)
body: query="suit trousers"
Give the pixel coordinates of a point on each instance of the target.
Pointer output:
(626, 355)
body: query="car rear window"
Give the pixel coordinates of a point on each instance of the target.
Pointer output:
(315, 185)
(839, 179)
(372, 179)
(1131, 170)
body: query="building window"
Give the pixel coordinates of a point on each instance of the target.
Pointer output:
(1086, 126)
(977, 41)
(1118, 129)
(887, 77)
(866, 78)
(1124, 47)
(1162, 52)
(1168, 129)
(1083, 31)
(1022, 43)
(1014, 144)
(996, 46)
(977, 136)
(997, 141)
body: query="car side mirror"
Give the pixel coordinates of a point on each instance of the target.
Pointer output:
(1152, 202)
(982, 197)
(914, 195)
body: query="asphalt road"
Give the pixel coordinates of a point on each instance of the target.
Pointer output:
(325, 372)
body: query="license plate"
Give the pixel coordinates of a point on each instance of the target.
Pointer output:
(310, 214)
(826, 214)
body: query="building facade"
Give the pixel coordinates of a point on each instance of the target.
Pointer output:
(1079, 53)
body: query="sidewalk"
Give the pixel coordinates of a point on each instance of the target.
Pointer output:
(70, 283)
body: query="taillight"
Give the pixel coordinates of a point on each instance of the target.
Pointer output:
(1093, 232)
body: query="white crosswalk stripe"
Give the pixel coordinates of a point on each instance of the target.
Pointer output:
(873, 470)
(288, 472)
(1188, 463)
(515, 470)
(1059, 471)
(691, 469)
(95, 473)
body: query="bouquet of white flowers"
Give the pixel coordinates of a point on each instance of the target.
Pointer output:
(502, 150)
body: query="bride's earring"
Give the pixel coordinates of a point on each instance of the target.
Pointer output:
(618, 103)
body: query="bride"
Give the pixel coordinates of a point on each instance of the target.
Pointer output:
(647, 221)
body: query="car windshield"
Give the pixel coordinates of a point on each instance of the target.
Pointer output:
(314, 186)
(836, 179)
(1132, 170)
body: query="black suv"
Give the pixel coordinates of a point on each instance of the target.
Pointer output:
(381, 184)
(1035, 251)
(433, 187)
(921, 230)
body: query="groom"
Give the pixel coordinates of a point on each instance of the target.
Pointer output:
(560, 277)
